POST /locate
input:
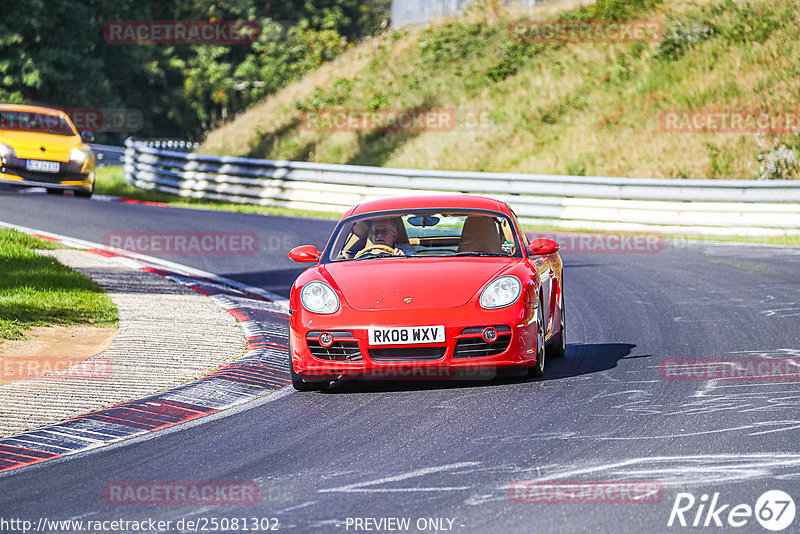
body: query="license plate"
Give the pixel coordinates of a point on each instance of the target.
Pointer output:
(42, 166)
(406, 335)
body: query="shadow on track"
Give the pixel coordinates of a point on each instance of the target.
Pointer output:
(587, 358)
(580, 359)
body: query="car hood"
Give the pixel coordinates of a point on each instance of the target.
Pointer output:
(28, 145)
(388, 283)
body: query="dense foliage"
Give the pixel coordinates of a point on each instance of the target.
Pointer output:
(53, 52)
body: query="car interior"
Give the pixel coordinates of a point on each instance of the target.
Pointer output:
(444, 234)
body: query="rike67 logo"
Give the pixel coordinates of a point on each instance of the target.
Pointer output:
(774, 510)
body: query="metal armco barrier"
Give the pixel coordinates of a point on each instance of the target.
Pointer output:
(107, 155)
(718, 207)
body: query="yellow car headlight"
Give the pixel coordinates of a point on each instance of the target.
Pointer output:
(79, 156)
(6, 151)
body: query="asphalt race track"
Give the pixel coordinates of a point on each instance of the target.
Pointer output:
(100, 222)
(444, 455)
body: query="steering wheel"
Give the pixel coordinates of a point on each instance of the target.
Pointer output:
(382, 248)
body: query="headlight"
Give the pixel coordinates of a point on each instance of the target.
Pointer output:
(500, 293)
(318, 297)
(76, 155)
(6, 151)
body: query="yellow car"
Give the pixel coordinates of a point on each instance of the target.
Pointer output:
(41, 147)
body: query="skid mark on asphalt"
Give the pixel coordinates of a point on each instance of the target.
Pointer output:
(368, 487)
(688, 470)
(748, 393)
(296, 507)
(669, 471)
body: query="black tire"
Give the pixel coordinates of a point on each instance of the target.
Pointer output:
(297, 381)
(83, 193)
(558, 346)
(537, 371)
(54, 191)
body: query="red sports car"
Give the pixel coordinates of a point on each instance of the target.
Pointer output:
(425, 286)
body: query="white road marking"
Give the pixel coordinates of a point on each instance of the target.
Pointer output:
(363, 487)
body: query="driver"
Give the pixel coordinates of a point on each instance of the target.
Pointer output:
(384, 232)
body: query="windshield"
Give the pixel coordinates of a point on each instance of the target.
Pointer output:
(27, 121)
(424, 233)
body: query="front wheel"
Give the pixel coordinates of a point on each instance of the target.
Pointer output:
(538, 370)
(83, 193)
(297, 381)
(301, 385)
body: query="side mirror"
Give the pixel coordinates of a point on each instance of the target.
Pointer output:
(543, 246)
(87, 137)
(304, 254)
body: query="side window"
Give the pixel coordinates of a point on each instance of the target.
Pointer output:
(505, 227)
(521, 231)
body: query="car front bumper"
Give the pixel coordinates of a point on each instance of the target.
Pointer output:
(71, 182)
(72, 176)
(463, 354)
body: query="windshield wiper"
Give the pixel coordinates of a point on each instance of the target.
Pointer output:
(380, 255)
(481, 254)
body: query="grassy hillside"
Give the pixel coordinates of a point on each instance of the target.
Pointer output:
(561, 108)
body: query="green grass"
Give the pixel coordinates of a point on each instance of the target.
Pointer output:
(39, 291)
(552, 108)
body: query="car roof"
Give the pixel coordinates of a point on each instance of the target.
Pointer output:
(429, 201)
(31, 109)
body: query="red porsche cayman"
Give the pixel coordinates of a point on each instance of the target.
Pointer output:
(416, 286)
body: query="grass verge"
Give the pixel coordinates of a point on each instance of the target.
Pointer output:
(39, 291)
(585, 108)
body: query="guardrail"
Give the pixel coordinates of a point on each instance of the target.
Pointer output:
(108, 155)
(718, 207)
(170, 144)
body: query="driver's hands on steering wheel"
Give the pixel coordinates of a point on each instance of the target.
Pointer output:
(378, 249)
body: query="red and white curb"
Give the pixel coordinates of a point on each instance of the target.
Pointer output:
(263, 317)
